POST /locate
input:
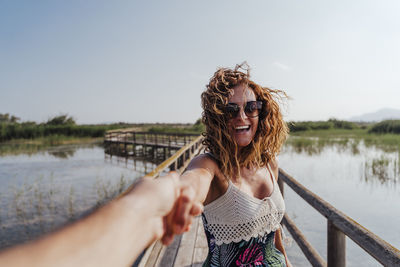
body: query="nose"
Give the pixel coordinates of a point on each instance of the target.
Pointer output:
(242, 114)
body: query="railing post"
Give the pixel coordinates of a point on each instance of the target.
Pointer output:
(336, 246)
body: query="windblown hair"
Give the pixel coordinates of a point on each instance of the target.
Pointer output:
(271, 131)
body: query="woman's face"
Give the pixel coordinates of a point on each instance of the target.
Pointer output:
(242, 128)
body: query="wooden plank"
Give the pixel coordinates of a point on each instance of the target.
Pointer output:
(186, 248)
(201, 246)
(168, 255)
(378, 248)
(146, 256)
(151, 261)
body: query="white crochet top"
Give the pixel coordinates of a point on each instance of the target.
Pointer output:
(237, 216)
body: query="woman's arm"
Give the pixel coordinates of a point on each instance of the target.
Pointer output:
(196, 179)
(115, 234)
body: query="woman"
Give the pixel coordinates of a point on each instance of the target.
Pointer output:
(236, 178)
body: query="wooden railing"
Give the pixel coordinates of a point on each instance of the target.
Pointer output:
(339, 226)
(177, 162)
(167, 139)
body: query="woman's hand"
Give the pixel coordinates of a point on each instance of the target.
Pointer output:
(179, 219)
(171, 203)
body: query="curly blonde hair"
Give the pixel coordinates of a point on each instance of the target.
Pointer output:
(271, 131)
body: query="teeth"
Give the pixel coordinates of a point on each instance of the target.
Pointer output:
(241, 127)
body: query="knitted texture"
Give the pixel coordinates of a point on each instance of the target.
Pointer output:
(237, 216)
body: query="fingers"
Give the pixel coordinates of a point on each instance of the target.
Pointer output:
(182, 215)
(196, 209)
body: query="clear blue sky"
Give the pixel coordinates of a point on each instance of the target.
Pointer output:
(149, 61)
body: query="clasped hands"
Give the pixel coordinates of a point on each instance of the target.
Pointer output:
(171, 203)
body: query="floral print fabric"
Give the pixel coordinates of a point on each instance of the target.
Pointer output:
(258, 251)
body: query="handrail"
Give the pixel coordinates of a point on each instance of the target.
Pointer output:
(155, 133)
(168, 162)
(339, 224)
(171, 161)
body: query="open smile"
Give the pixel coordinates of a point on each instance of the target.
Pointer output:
(242, 129)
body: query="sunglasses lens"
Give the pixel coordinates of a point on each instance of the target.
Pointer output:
(232, 110)
(253, 108)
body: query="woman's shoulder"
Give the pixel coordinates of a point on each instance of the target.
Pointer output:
(206, 161)
(273, 165)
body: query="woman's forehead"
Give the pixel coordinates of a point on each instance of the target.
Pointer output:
(241, 94)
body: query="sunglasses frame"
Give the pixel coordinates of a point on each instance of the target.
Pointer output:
(232, 109)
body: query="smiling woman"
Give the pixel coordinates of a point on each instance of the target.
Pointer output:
(236, 177)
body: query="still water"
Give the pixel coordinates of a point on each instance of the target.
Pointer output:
(42, 191)
(363, 182)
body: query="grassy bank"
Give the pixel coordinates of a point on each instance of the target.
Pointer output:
(321, 138)
(33, 146)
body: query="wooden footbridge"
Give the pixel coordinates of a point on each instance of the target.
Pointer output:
(155, 147)
(190, 249)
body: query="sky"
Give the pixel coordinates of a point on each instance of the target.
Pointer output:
(148, 61)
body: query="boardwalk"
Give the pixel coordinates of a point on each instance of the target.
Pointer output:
(189, 249)
(155, 146)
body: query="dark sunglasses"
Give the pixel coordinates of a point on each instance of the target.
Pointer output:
(251, 109)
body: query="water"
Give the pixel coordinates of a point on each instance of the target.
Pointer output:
(361, 181)
(42, 191)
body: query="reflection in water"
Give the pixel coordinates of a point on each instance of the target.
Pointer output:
(381, 163)
(59, 151)
(38, 207)
(141, 165)
(383, 169)
(39, 192)
(63, 154)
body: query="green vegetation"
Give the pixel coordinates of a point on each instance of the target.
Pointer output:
(322, 125)
(313, 136)
(196, 128)
(387, 126)
(55, 131)
(63, 129)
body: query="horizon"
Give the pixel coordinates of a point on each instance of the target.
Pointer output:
(101, 62)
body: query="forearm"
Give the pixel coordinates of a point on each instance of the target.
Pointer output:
(107, 237)
(199, 181)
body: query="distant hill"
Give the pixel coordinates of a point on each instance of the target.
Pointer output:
(380, 115)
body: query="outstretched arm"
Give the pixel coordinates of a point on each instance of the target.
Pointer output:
(196, 180)
(115, 234)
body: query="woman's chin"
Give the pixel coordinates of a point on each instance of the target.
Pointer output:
(243, 143)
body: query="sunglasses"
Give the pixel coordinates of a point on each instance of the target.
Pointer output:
(251, 109)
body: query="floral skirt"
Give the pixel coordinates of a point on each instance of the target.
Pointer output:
(258, 251)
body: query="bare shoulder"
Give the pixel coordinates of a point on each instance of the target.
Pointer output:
(204, 161)
(273, 164)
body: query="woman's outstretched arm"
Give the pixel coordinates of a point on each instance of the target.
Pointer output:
(115, 234)
(196, 180)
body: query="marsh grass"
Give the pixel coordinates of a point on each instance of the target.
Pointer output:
(41, 205)
(313, 140)
(383, 169)
(383, 165)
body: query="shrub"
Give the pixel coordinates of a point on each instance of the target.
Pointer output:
(387, 126)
